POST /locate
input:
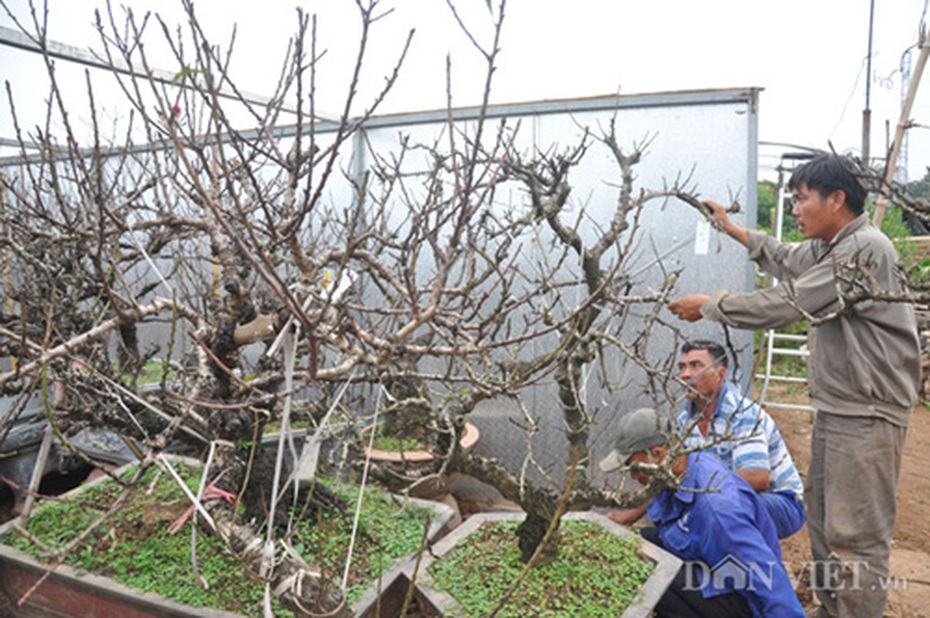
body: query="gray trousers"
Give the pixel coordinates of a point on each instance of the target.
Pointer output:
(849, 495)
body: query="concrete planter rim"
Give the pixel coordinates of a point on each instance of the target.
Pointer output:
(666, 566)
(65, 579)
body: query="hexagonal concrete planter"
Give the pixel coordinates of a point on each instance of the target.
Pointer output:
(436, 603)
(64, 593)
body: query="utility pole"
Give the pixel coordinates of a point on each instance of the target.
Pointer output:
(905, 69)
(867, 112)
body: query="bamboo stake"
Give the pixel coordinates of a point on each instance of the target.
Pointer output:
(904, 123)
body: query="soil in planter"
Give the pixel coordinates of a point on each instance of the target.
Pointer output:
(134, 548)
(404, 435)
(595, 573)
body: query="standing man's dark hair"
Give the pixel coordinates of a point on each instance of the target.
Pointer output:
(828, 173)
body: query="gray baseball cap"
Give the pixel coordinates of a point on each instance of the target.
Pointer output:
(637, 431)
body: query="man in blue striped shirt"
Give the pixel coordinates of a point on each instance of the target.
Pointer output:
(719, 418)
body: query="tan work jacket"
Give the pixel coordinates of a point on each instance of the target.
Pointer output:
(864, 361)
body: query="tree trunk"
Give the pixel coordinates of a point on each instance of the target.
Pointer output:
(297, 585)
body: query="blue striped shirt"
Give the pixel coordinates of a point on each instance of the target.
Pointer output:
(756, 443)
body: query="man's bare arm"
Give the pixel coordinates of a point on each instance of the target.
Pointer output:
(757, 479)
(628, 517)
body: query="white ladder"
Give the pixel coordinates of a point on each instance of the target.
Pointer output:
(779, 343)
(774, 348)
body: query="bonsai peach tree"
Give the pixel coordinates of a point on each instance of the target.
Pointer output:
(277, 280)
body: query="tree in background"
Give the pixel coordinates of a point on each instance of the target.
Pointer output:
(767, 201)
(919, 189)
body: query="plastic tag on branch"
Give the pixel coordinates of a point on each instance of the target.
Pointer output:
(702, 238)
(309, 456)
(305, 470)
(346, 279)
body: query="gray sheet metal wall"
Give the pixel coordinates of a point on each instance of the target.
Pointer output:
(708, 136)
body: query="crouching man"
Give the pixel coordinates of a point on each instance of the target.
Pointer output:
(714, 521)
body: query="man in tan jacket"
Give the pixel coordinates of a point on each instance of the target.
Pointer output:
(864, 371)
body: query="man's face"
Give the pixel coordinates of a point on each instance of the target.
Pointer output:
(814, 216)
(703, 377)
(651, 456)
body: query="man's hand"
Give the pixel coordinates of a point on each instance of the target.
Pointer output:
(718, 213)
(688, 307)
(721, 220)
(628, 517)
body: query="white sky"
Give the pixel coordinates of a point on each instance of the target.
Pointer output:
(808, 55)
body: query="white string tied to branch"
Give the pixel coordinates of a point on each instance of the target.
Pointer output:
(361, 489)
(198, 505)
(203, 484)
(289, 344)
(287, 340)
(307, 462)
(346, 280)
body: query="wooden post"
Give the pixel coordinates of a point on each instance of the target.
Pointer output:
(37, 473)
(904, 122)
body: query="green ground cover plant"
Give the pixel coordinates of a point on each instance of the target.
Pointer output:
(398, 443)
(153, 371)
(388, 530)
(595, 573)
(134, 547)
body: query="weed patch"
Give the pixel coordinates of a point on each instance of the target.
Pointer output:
(134, 548)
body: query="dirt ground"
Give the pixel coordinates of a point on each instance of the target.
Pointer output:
(910, 555)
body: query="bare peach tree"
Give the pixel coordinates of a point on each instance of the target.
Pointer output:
(265, 272)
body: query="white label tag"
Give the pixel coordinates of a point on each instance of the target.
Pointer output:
(702, 238)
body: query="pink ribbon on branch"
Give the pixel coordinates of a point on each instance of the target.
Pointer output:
(212, 492)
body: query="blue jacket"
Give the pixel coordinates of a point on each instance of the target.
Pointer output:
(716, 523)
